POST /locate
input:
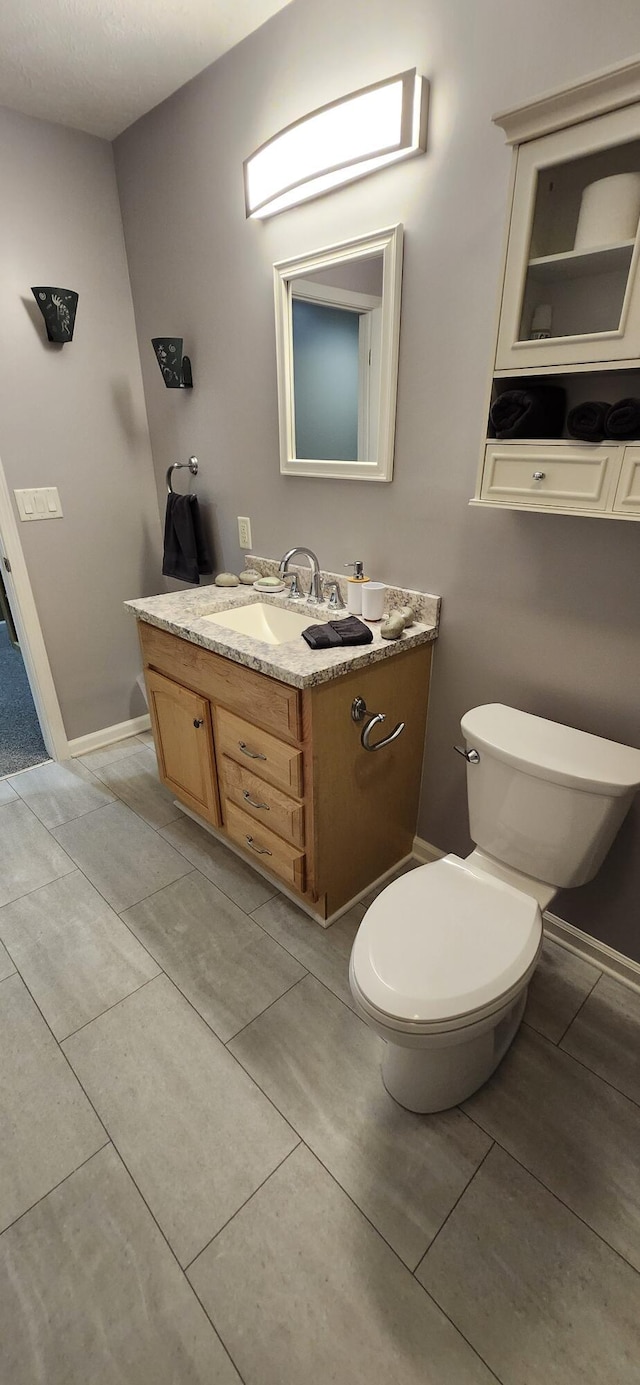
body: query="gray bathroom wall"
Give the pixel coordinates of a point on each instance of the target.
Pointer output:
(542, 612)
(74, 416)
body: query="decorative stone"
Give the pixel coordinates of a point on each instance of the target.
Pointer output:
(392, 626)
(249, 577)
(227, 579)
(407, 614)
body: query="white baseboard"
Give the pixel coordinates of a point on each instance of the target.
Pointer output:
(590, 949)
(95, 740)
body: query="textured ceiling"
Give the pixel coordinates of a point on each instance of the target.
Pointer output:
(100, 64)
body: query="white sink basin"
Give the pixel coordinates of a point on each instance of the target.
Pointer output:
(271, 624)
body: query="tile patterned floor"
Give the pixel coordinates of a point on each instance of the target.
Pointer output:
(202, 1179)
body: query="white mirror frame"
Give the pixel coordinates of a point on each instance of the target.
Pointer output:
(388, 243)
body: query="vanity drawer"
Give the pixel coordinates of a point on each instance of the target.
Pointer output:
(567, 477)
(275, 855)
(272, 704)
(262, 801)
(270, 759)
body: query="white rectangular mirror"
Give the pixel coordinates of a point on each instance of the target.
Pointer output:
(337, 333)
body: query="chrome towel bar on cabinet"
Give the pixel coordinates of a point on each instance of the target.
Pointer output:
(359, 713)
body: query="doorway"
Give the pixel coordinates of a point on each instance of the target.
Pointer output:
(21, 739)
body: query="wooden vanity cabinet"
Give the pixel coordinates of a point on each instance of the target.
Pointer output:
(281, 772)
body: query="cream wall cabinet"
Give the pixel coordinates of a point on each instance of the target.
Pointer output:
(281, 772)
(580, 276)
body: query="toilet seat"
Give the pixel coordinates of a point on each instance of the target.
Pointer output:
(444, 947)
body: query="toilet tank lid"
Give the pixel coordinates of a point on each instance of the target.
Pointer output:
(548, 750)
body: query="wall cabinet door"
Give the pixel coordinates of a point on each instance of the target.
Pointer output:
(627, 501)
(184, 742)
(569, 266)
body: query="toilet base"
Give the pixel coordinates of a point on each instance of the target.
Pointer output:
(432, 1079)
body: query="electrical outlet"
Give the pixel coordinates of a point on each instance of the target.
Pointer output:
(244, 531)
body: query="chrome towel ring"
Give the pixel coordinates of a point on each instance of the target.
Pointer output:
(192, 465)
(359, 713)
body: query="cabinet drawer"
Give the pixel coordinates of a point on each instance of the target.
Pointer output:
(627, 499)
(275, 855)
(262, 801)
(268, 702)
(568, 477)
(270, 759)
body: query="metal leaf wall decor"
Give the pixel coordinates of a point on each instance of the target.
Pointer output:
(58, 308)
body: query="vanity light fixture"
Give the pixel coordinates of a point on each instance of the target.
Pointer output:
(176, 368)
(345, 140)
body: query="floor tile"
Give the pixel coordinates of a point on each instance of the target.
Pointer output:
(321, 1067)
(108, 754)
(56, 793)
(146, 738)
(30, 857)
(541, 1298)
(606, 1035)
(6, 965)
(7, 794)
(123, 857)
(557, 989)
(224, 963)
(236, 879)
(194, 1131)
(576, 1134)
(301, 1288)
(48, 1127)
(135, 779)
(90, 1292)
(75, 955)
(323, 951)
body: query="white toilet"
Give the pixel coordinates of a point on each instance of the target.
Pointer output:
(442, 959)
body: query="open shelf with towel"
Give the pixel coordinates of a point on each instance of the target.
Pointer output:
(563, 429)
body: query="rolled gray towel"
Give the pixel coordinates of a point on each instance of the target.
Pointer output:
(587, 421)
(623, 420)
(536, 411)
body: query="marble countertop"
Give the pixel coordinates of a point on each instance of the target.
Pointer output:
(181, 613)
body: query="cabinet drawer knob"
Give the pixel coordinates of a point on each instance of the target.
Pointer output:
(253, 754)
(198, 721)
(252, 801)
(539, 475)
(262, 850)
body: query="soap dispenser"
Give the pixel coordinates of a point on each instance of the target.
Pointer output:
(354, 587)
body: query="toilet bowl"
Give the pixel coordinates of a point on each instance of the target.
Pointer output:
(443, 957)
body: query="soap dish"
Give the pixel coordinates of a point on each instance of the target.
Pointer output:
(266, 584)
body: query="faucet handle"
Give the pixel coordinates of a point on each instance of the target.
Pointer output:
(295, 590)
(332, 589)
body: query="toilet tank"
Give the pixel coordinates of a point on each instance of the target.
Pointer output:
(544, 798)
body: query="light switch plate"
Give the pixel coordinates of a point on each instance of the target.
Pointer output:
(40, 503)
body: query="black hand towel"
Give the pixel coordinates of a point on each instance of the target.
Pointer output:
(534, 412)
(336, 633)
(623, 420)
(185, 548)
(587, 421)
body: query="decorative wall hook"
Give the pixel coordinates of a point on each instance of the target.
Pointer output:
(58, 308)
(176, 368)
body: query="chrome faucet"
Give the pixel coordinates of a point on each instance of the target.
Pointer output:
(316, 594)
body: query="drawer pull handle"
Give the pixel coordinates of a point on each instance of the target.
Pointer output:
(198, 721)
(253, 754)
(262, 850)
(252, 801)
(539, 475)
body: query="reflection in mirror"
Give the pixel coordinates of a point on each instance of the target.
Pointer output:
(337, 317)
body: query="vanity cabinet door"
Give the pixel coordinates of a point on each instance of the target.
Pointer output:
(572, 263)
(184, 743)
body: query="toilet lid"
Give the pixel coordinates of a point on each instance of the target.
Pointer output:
(443, 941)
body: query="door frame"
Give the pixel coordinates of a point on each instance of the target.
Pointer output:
(25, 615)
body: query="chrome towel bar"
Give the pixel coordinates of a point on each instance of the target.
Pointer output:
(359, 713)
(192, 465)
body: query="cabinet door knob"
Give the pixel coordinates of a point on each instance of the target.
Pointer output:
(262, 850)
(253, 754)
(198, 721)
(539, 475)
